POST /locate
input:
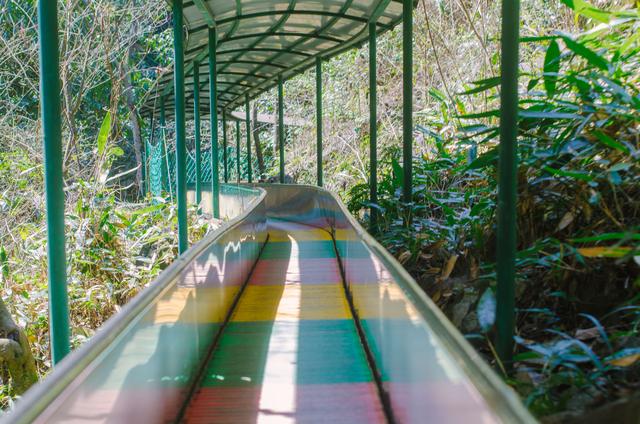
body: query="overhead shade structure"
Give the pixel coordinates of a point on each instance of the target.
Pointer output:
(260, 41)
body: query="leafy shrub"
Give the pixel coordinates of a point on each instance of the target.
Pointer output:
(578, 222)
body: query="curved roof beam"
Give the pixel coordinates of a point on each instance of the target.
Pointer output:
(320, 30)
(379, 9)
(266, 50)
(247, 62)
(287, 12)
(287, 34)
(206, 12)
(263, 66)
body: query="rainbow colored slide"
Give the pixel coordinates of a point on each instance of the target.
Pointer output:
(290, 312)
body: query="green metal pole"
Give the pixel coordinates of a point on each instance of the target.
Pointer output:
(51, 127)
(238, 171)
(164, 167)
(143, 165)
(213, 99)
(407, 98)
(319, 120)
(507, 181)
(281, 126)
(181, 147)
(248, 125)
(373, 127)
(224, 147)
(196, 114)
(147, 154)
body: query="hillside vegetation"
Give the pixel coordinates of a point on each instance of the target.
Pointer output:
(578, 288)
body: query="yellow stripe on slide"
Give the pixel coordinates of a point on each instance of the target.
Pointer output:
(383, 300)
(292, 302)
(346, 235)
(312, 234)
(194, 305)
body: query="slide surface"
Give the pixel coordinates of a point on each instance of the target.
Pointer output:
(290, 312)
(291, 351)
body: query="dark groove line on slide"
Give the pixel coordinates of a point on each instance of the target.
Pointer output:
(197, 381)
(377, 376)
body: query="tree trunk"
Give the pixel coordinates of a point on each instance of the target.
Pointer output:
(15, 354)
(133, 118)
(256, 140)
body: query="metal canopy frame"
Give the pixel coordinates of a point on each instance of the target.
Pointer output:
(261, 42)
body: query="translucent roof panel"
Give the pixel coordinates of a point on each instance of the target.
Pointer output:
(261, 40)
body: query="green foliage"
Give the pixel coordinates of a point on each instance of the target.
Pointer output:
(103, 134)
(578, 214)
(114, 249)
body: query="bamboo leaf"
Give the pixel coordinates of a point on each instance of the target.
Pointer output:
(604, 252)
(491, 113)
(571, 174)
(535, 114)
(584, 8)
(606, 237)
(551, 67)
(103, 134)
(488, 158)
(625, 357)
(610, 142)
(581, 50)
(483, 85)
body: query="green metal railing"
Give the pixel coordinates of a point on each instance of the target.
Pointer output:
(158, 161)
(172, 172)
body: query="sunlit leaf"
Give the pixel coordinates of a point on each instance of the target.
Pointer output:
(103, 134)
(584, 8)
(437, 94)
(604, 252)
(625, 357)
(486, 310)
